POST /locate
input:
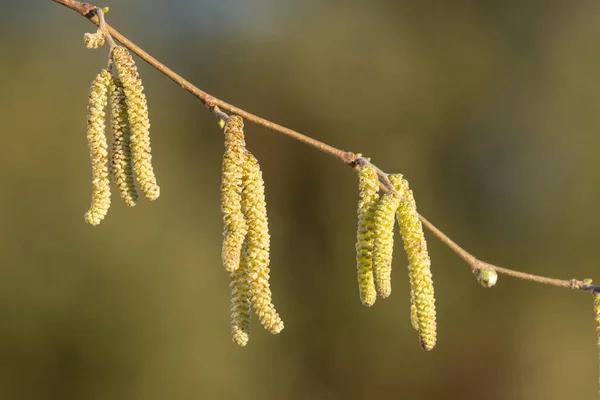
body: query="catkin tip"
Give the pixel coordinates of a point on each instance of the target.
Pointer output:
(241, 303)
(239, 336)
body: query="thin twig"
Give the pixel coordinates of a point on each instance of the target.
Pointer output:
(353, 160)
(102, 26)
(208, 100)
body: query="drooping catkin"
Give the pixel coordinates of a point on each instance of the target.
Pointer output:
(234, 158)
(368, 191)
(385, 217)
(241, 302)
(255, 208)
(421, 282)
(98, 146)
(137, 109)
(122, 167)
(94, 40)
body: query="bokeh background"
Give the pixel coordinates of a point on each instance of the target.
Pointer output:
(488, 108)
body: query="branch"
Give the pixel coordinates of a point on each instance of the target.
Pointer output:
(353, 160)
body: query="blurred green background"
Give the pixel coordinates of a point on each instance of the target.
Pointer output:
(488, 108)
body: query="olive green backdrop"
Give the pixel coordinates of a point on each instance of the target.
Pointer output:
(490, 109)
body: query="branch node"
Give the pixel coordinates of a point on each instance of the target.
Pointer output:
(89, 10)
(574, 284)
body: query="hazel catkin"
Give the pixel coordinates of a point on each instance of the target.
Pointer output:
(137, 109)
(98, 146)
(258, 239)
(122, 167)
(368, 190)
(423, 314)
(234, 159)
(385, 217)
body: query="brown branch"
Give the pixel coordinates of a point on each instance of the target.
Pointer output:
(353, 160)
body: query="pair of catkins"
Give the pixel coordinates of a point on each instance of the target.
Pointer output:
(122, 87)
(246, 239)
(375, 243)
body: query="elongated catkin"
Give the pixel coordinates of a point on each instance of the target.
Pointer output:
(423, 314)
(122, 162)
(255, 208)
(96, 135)
(137, 109)
(235, 227)
(383, 248)
(368, 191)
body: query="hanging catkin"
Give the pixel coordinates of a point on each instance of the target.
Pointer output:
(234, 158)
(423, 315)
(255, 208)
(137, 109)
(368, 191)
(122, 167)
(98, 146)
(385, 217)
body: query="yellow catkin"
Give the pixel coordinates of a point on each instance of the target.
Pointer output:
(94, 40)
(234, 159)
(98, 146)
(255, 209)
(139, 123)
(241, 302)
(385, 214)
(368, 190)
(421, 282)
(122, 167)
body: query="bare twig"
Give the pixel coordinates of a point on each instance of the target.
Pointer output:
(353, 160)
(102, 26)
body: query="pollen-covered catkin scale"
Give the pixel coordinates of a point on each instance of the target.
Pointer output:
(122, 167)
(255, 208)
(241, 302)
(137, 110)
(422, 299)
(94, 40)
(385, 217)
(98, 146)
(368, 190)
(231, 193)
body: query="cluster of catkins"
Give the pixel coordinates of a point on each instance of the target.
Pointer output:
(375, 243)
(122, 87)
(246, 237)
